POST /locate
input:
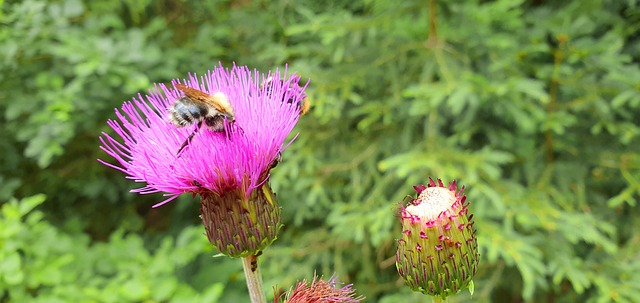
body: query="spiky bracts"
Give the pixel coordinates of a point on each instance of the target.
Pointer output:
(320, 291)
(240, 227)
(438, 252)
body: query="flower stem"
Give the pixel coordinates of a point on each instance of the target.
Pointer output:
(254, 279)
(433, 25)
(437, 299)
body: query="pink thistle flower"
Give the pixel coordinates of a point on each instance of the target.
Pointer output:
(321, 291)
(438, 252)
(232, 165)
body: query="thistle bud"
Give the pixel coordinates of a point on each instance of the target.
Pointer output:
(238, 226)
(438, 252)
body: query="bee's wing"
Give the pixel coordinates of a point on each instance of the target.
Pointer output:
(218, 100)
(193, 93)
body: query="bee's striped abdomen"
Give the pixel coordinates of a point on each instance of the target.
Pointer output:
(185, 112)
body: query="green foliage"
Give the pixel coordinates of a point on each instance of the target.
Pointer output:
(518, 101)
(532, 105)
(41, 263)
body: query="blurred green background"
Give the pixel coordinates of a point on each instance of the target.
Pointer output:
(534, 106)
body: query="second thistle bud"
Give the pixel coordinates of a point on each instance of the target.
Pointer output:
(438, 252)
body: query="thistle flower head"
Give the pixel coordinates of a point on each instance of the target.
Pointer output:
(229, 168)
(321, 291)
(213, 161)
(438, 252)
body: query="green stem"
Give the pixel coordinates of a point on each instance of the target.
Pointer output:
(254, 279)
(439, 300)
(433, 25)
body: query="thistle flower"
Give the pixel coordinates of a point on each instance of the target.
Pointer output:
(228, 169)
(321, 291)
(438, 252)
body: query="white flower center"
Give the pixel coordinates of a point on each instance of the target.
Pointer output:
(432, 202)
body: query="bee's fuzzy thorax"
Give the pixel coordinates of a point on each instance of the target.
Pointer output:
(223, 104)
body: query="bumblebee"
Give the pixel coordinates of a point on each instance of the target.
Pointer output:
(196, 107)
(276, 161)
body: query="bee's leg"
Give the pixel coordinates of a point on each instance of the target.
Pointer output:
(240, 129)
(186, 142)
